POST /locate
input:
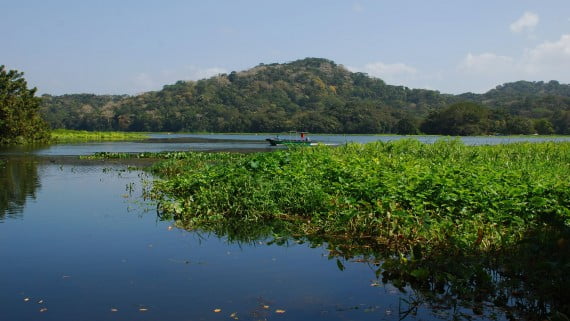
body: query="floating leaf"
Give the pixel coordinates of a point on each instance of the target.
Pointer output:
(339, 265)
(279, 311)
(217, 310)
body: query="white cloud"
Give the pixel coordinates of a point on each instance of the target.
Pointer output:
(486, 63)
(527, 21)
(380, 69)
(393, 74)
(198, 73)
(146, 81)
(551, 58)
(143, 82)
(357, 7)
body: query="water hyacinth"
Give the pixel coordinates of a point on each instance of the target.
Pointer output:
(399, 193)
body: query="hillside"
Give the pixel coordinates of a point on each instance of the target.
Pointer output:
(80, 111)
(312, 94)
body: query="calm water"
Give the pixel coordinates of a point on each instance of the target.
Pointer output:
(78, 243)
(243, 142)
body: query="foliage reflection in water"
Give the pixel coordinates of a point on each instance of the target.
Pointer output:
(475, 227)
(99, 261)
(510, 286)
(19, 181)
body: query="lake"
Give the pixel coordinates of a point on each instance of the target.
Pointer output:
(78, 242)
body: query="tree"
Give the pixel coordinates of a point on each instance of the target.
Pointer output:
(543, 127)
(406, 126)
(519, 126)
(20, 120)
(464, 119)
(561, 122)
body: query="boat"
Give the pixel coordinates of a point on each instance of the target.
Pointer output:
(304, 140)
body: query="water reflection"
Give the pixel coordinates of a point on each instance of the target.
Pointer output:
(19, 181)
(529, 281)
(96, 257)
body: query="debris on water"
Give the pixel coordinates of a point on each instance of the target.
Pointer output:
(375, 283)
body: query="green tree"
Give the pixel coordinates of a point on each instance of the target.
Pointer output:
(464, 119)
(561, 122)
(519, 126)
(406, 126)
(543, 127)
(20, 120)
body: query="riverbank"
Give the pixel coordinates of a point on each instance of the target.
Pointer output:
(77, 136)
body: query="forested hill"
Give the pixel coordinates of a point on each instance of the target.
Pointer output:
(545, 103)
(532, 99)
(81, 111)
(311, 94)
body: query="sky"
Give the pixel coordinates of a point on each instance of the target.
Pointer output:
(134, 46)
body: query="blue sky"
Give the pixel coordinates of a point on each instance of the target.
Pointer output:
(124, 46)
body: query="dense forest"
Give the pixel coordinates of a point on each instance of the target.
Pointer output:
(319, 96)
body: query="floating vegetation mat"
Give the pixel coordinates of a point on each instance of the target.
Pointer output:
(505, 206)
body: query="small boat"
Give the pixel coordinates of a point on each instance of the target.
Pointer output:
(304, 140)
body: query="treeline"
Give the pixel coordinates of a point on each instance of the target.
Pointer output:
(525, 107)
(319, 96)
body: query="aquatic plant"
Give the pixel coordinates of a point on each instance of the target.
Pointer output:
(76, 136)
(501, 207)
(400, 193)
